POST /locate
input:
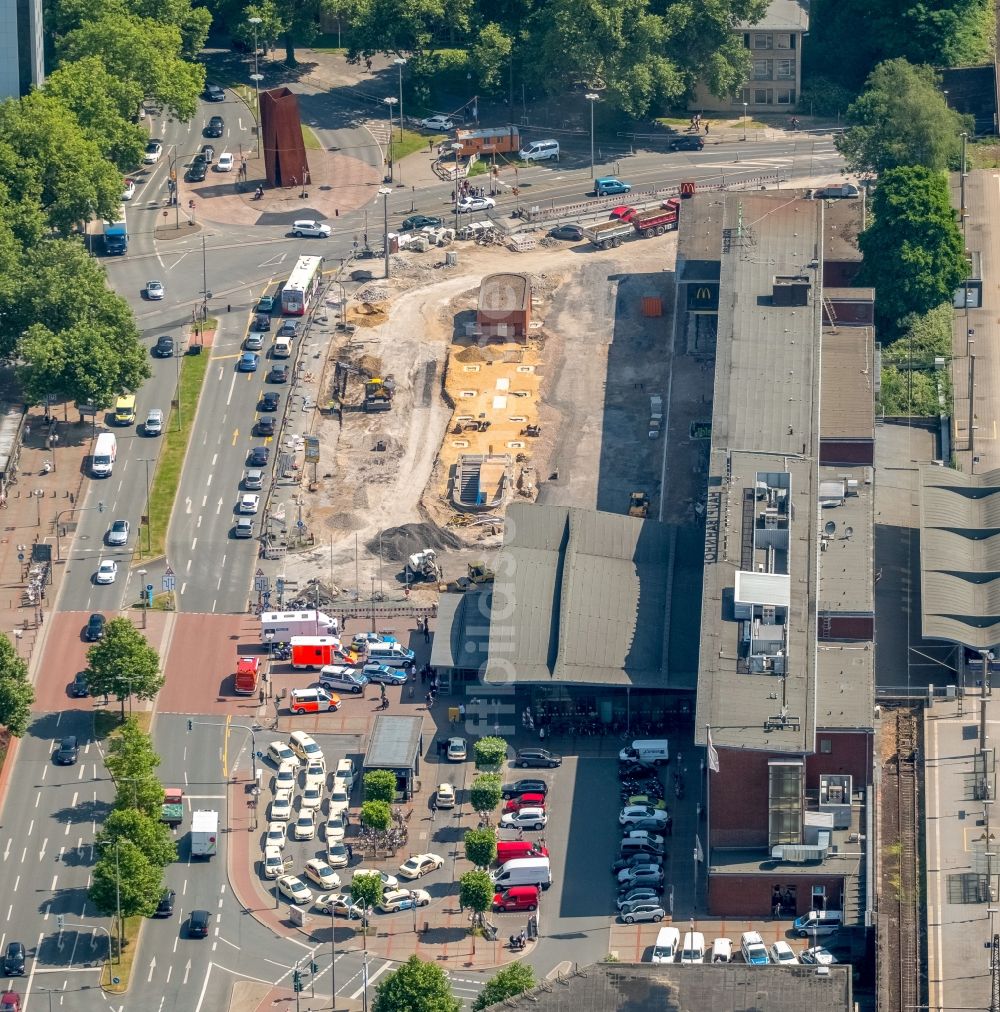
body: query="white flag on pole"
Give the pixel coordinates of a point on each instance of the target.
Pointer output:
(713, 754)
(699, 854)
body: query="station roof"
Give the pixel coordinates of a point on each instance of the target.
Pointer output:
(587, 595)
(394, 743)
(960, 556)
(671, 987)
(463, 630)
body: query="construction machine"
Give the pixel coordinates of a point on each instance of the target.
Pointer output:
(638, 504)
(378, 394)
(479, 572)
(423, 566)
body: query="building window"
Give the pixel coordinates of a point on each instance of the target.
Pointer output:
(782, 41)
(742, 97)
(786, 98)
(826, 745)
(785, 800)
(762, 96)
(762, 40)
(786, 70)
(762, 70)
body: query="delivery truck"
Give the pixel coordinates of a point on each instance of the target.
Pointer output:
(283, 625)
(172, 809)
(318, 651)
(663, 219)
(102, 460)
(204, 834)
(247, 678)
(116, 235)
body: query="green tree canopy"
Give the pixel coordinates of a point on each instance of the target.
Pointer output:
(367, 889)
(481, 847)
(123, 664)
(16, 692)
(490, 753)
(376, 815)
(902, 119)
(63, 16)
(507, 983)
(486, 793)
(123, 874)
(913, 251)
(415, 987)
(941, 33)
(143, 51)
(51, 162)
(476, 891)
(103, 106)
(380, 785)
(150, 835)
(132, 761)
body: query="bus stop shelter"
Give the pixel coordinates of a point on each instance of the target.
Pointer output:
(396, 744)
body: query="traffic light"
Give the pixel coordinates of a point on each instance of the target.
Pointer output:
(190, 724)
(59, 921)
(297, 984)
(100, 507)
(313, 966)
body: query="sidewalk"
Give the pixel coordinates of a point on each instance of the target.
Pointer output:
(960, 924)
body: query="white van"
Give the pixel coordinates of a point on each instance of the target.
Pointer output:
(693, 950)
(668, 940)
(540, 151)
(394, 654)
(102, 461)
(649, 750)
(274, 863)
(282, 348)
(722, 950)
(523, 871)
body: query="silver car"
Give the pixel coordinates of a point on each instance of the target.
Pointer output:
(643, 874)
(646, 911)
(311, 229)
(118, 533)
(253, 479)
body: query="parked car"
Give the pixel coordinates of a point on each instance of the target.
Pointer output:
(278, 374)
(574, 233)
(540, 758)
(635, 813)
(338, 904)
(249, 502)
(524, 801)
(457, 750)
(278, 752)
(403, 899)
(638, 895)
(128, 189)
(269, 401)
(196, 172)
(642, 874)
(522, 787)
(384, 675)
(277, 835)
(527, 818)
(321, 873)
(258, 456)
(264, 426)
(782, 954)
(817, 955)
(438, 123)
(646, 911)
(294, 889)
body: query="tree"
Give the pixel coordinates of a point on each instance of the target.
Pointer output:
(380, 785)
(16, 692)
(415, 987)
(490, 55)
(902, 119)
(103, 106)
(491, 753)
(273, 23)
(486, 793)
(150, 835)
(511, 981)
(144, 51)
(124, 879)
(476, 891)
(376, 815)
(132, 761)
(481, 847)
(923, 339)
(913, 250)
(366, 889)
(52, 163)
(123, 663)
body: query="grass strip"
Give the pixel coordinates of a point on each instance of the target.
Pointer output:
(167, 477)
(412, 141)
(107, 722)
(309, 138)
(122, 970)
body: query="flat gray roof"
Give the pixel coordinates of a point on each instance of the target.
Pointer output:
(960, 556)
(394, 743)
(671, 987)
(848, 392)
(585, 595)
(698, 240)
(787, 14)
(762, 513)
(462, 636)
(845, 686)
(847, 549)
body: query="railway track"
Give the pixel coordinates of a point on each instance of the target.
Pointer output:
(907, 942)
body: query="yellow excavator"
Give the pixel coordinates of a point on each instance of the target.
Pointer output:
(479, 572)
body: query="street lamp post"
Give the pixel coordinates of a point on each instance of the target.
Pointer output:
(256, 77)
(118, 897)
(592, 98)
(390, 101)
(744, 121)
(400, 62)
(149, 513)
(38, 494)
(384, 192)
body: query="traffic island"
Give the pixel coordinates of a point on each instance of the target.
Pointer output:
(117, 972)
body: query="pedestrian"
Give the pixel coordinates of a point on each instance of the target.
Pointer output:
(541, 734)
(430, 144)
(350, 852)
(461, 712)
(261, 696)
(706, 128)
(423, 675)
(434, 804)
(381, 692)
(429, 698)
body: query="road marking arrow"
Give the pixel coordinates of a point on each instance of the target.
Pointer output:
(187, 503)
(218, 508)
(236, 435)
(187, 970)
(152, 967)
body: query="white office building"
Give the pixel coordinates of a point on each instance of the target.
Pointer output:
(22, 59)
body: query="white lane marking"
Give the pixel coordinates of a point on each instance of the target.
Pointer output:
(45, 843)
(371, 977)
(187, 503)
(31, 826)
(76, 794)
(34, 963)
(194, 544)
(188, 570)
(209, 482)
(183, 587)
(232, 387)
(218, 508)
(52, 888)
(204, 502)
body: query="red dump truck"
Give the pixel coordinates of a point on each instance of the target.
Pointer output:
(663, 219)
(247, 676)
(629, 222)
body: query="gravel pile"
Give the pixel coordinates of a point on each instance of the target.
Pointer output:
(541, 284)
(372, 293)
(399, 543)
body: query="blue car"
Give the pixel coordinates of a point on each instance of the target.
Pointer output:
(249, 361)
(384, 674)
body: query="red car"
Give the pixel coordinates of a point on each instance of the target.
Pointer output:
(525, 801)
(10, 1001)
(622, 213)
